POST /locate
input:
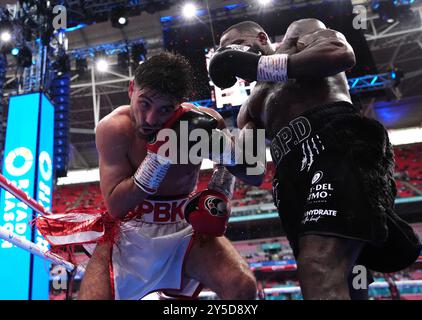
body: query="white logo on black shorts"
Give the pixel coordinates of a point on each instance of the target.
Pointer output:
(288, 137)
(317, 176)
(316, 214)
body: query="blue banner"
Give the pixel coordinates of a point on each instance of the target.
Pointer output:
(25, 164)
(40, 279)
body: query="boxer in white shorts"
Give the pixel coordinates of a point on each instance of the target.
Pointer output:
(150, 252)
(156, 248)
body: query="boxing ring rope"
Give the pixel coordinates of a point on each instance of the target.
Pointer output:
(26, 244)
(22, 196)
(34, 249)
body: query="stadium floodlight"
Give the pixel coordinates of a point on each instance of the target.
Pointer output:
(102, 65)
(189, 10)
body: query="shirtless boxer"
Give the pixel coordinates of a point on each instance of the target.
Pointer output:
(333, 186)
(156, 247)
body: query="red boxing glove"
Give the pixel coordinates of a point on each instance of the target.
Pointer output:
(154, 167)
(193, 118)
(154, 144)
(208, 212)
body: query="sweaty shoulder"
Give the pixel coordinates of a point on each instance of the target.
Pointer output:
(114, 129)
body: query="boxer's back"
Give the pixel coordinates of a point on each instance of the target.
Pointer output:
(274, 105)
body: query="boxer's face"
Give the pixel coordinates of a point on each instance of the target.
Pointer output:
(256, 40)
(149, 109)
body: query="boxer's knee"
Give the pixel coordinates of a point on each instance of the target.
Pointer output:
(241, 286)
(315, 267)
(324, 264)
(321, 278)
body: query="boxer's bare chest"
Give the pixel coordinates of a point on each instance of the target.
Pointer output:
(181, 179)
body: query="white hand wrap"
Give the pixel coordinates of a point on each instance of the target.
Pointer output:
(151, 172)
(273, 68)
(222, 181)
(227, 154)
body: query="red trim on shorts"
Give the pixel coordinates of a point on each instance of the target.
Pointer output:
(113, 291)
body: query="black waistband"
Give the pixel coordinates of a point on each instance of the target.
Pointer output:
(306, 126)
(318, 116)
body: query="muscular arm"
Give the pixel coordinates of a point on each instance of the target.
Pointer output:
(243, 117)
(240, 170)
(117, 187)
(322, 53)
(248, 135)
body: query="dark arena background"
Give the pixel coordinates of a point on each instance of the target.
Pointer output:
(82, 65)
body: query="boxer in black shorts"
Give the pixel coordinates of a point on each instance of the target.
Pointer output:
(333, 186)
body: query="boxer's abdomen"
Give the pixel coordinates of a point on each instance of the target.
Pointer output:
(275, 105)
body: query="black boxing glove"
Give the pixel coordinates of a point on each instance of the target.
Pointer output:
(233, 61)
(221, 146)
(189, 118)
(196, 119)
(244, 62)
(158, 160)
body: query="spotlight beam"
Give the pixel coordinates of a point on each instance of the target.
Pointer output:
(5, 36)
(101, 65)
(189, 10)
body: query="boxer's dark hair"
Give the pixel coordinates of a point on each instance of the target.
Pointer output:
(168, 73)
(244, 26)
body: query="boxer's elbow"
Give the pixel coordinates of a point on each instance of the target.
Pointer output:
(114, 209)
(255, 175)
(123, 197)
(257, 180)
(250, 175)
(253, 179)
(117, 205)
(108, 202)
(342, 58)
(348, 58)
